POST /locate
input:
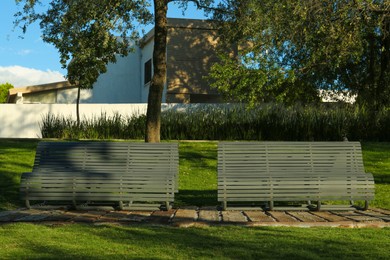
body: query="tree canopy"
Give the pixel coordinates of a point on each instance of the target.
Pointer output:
(289, 49)
(4, 91)
(87, 34)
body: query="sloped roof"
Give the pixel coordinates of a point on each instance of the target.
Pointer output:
(13, 92)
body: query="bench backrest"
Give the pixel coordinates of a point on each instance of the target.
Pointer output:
(106, 157)
(290, 157)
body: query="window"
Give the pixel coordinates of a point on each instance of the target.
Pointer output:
(147, 71)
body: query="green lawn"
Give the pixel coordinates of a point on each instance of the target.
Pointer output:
(197, 186)
(31, 241)
(16, 157)
(376, 157)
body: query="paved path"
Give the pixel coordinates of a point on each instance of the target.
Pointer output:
(186, 217)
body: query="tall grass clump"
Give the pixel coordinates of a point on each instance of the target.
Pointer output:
(102, 127)
(325, 122)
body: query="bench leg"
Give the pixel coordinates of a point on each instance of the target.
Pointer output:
(28, 204)
(224, 205)
(167, 205)
(120, 206)
(318, 206)
(365, 205)
(271, 205)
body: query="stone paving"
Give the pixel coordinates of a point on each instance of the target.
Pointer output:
(186, 217)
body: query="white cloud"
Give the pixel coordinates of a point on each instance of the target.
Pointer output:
(21, 76)
(24, 52)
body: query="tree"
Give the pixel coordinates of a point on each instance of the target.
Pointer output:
(86, 32)
(4, 91)
(300, 46)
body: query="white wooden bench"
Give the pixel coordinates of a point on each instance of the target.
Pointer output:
(123, 174)
(267, 172)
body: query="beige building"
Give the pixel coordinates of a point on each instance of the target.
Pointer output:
(57, 92)
(191, 51)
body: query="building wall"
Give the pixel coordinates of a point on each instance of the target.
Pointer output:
(146, 54)
(56, 96)
(46, 97)
(121, 83)
(191, 51)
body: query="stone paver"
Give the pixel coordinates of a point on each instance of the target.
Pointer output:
(383, 211)
(161, 217)
(31, 218)
(13, 215)
(185, 215)
(305, 216)
(329, 216)
(282, 216)
(233, 217)
(259, 216)
(138, 216)
(204, 216)
(377, 214)
(209, 215)
(364, 219)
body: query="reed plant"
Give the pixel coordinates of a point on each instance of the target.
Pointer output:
(325, 122)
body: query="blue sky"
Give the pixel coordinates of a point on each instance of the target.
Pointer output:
(30, 61)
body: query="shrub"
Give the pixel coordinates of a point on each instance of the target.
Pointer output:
(327, 122)
(4, 88)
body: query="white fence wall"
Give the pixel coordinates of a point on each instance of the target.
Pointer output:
(23, 120)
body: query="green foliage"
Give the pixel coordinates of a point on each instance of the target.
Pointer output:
(301, 46)
(4, 91)
(213, 122)
(254, 84)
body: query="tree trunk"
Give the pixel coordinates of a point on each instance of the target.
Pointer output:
(78, 105)
(383, 90)
(153, 115)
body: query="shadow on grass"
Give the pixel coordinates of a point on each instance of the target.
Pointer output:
(16, 157)
(9, 190)
(197, 198)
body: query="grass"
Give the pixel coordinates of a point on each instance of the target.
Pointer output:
(16, 156)
(197, 187)
(198, 179)
(140, 242)
(376, 157)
